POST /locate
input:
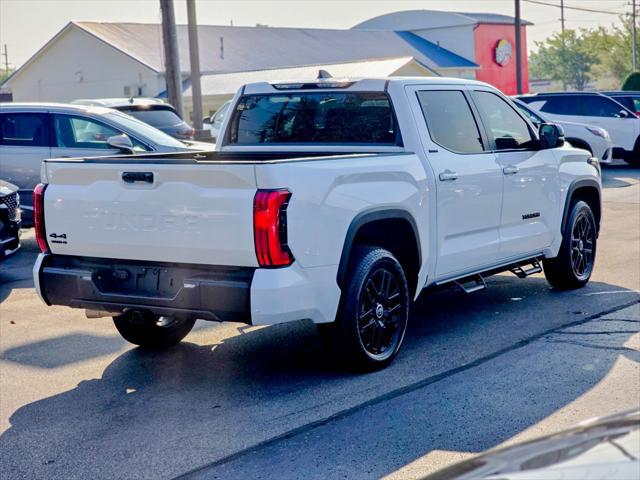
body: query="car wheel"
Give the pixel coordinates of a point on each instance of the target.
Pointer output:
(373, 313)
(152, 331)
(574, 264)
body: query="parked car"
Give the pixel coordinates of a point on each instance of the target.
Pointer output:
(629, 99)
(31, 132)
(333, 201)
(214, 123)
(153, 111)
(595, 109)
(603, 448)
(9, 220)
(594, 139)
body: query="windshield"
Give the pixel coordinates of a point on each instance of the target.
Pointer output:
(147, 131)
(157, 117)
(363, 118)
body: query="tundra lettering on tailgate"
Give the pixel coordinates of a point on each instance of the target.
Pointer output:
(146, 222)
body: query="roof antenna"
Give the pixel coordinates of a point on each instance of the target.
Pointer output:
(323, 74)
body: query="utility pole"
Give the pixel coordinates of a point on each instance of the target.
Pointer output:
(562, 15)
(6, 61)
(634, 38)
(194, 59)
(171, 58)
(518, 50)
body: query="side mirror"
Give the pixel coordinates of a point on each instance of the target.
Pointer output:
(551, 135)
(623, 114)
(206, 120)
(122, 142)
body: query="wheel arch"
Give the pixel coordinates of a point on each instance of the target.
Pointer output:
(373, 228)
(587, 190)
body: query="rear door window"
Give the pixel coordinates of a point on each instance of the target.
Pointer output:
(562, 105)
(450, 121)
(24, 129)
(338, 118)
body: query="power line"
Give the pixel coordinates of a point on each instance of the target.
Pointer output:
(582, 9)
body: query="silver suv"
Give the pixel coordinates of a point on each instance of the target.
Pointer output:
(31, 132)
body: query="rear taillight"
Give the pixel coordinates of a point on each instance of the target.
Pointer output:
(38, 215)
(270, 228)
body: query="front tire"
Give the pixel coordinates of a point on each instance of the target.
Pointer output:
(574, 264)
(152, 331)
(374, 311)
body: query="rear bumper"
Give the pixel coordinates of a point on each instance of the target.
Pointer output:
(193, 291)
(248, 295)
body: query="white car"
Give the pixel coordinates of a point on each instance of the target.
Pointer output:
(597, 110)
(31, 132)
(594, 139)
(337, 201)
(214, 123)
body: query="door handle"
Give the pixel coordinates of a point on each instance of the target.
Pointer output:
(132, 177)
(448, 176)
(510, 170)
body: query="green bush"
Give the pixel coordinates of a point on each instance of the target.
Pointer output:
(632, 82)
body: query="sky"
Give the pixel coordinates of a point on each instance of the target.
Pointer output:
(26, 25)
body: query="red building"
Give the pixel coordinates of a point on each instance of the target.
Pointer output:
(485, 39)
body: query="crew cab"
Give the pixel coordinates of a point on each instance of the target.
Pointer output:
(338, 201)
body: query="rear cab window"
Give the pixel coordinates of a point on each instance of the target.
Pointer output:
(314, 118)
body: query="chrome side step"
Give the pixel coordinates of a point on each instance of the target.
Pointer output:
(471, 284)
(532, 266)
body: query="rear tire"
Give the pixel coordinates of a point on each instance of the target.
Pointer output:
(152, 331)
(574, 264)
(373, 314)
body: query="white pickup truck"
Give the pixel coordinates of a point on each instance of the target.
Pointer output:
(337, 201)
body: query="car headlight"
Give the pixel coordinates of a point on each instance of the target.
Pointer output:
(600, 132)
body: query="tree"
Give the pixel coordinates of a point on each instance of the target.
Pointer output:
(565, 57)
(632, 82)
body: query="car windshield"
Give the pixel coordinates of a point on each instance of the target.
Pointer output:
(158, 118)
(147, 131)
(314, 118)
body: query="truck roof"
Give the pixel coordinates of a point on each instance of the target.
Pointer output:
(353, 84)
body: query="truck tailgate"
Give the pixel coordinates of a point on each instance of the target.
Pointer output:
(180, 212)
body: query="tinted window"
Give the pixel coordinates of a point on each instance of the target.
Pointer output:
(156, 118)
(567, 105)
(81, 132)
(24, 129)
(597, 106)
(450, 121)
(508, 129)
(331, 117)
(632, 103)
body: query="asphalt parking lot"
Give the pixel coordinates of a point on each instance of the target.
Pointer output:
(476, 371)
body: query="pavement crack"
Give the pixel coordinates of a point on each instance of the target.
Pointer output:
(598, 347)
(609, 332)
